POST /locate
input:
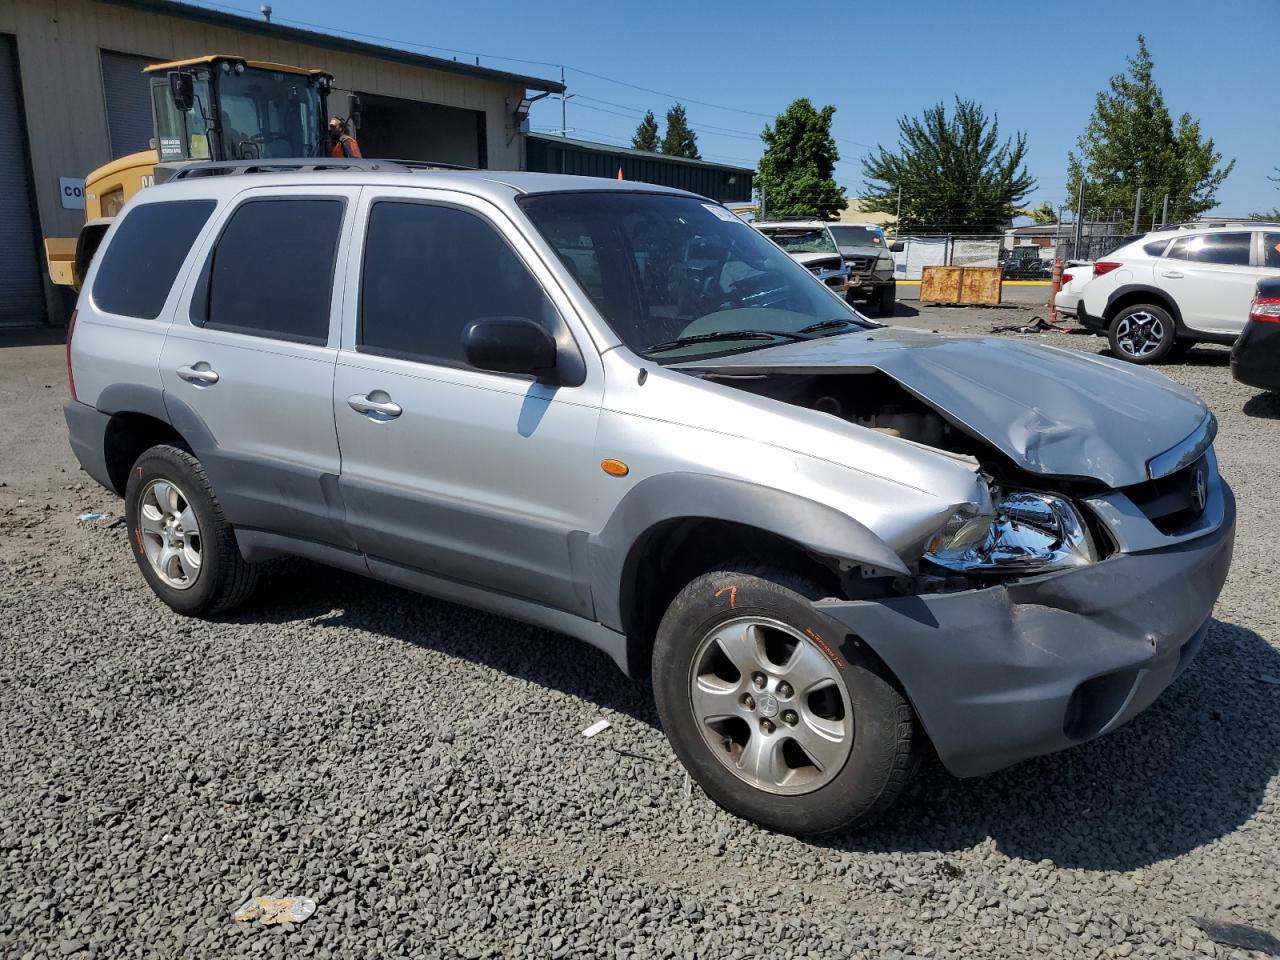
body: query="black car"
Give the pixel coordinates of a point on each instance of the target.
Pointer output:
(1255, 358)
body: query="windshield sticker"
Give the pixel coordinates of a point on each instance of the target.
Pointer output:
(720, 213)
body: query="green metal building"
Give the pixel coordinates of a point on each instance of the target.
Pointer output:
(718, 181)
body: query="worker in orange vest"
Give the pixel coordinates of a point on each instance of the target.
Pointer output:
(344, 144)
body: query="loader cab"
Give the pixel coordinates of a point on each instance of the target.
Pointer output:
(225, 108)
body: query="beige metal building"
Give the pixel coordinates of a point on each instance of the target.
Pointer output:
(72, 97)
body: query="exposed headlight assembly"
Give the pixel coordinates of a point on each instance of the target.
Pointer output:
(1031, 532)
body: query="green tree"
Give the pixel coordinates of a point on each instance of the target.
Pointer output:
(1044, 214)
(951, 174)
(1131, 141)
(680, 140)
(796, 176)
(646, 136)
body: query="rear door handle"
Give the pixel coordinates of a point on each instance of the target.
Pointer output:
(199, 374)
(1172, 274)
(374, 407)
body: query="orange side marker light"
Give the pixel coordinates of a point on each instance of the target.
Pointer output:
(614, 468)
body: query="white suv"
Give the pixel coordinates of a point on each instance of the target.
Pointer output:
(1168, 291)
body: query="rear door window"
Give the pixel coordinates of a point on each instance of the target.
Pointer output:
(1228, 249)
(142, 260)
(271, 272)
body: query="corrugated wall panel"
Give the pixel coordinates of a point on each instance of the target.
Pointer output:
(128, 97)
(21, 290)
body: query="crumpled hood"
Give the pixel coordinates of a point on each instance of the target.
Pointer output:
(1051, 410)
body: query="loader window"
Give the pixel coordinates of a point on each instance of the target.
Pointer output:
(264, 114)
(143, 257)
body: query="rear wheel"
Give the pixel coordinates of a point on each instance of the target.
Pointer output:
(1142, 333)
(778, 717)
(182, 543)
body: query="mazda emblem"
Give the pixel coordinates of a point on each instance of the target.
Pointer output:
(1199, 489)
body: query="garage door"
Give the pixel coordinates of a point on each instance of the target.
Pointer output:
(21, 289)
(414, 130)
(128, 94)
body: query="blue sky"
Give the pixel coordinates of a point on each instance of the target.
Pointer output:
(1037, 65)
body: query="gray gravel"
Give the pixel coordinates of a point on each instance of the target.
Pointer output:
(417, 769)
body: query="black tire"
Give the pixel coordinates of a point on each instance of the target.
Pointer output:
(1142, 333)
(888, 301)
(224, 579)
(886, 745)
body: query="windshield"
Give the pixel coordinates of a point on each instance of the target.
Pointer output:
(850, 236)
(801, 241)
(661, 268)
(267, 114)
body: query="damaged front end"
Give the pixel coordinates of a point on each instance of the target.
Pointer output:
(1061, 605)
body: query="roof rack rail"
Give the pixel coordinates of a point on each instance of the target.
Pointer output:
(1211, 222)
(221, 168)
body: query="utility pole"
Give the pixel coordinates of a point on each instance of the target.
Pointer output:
(564, 122)
(1137, 205)
(1079, 221)
(898, 216)
(1164, 217)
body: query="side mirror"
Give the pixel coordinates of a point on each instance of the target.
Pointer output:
(897, 246)
(510, 345)
(182, 87)
(353, 111)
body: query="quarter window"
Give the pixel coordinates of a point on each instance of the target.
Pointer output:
(271, 274)
(1229, 249)
(1155, 248)
(1271, 250)
(429, 271)
(149, 246)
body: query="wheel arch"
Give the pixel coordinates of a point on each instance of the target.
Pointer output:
(671, 528)
(1132, 294)
(138, 420)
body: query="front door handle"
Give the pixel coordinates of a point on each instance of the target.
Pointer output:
(199, 374)
(1172, 275)
(376, 405)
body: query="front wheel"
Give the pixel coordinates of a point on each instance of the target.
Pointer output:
(780, 718)
(1142, 333)
(888, 301)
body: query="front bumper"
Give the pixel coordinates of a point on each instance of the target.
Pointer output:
(1006, 673)
(1255, 358)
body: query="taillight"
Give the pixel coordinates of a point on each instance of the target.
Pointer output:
(1066, 278)
(1265, 310)
(1105, 266)
(71, 377)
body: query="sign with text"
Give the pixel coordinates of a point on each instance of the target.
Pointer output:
(72, 191)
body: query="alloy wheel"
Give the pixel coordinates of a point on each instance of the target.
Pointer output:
(170, 533)
(770, 705)
(1140, 334)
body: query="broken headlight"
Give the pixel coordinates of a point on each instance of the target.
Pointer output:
(1031, 532)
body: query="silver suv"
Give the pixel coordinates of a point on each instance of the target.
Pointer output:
(617, 411)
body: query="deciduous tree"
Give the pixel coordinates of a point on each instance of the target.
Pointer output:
(1131, 141)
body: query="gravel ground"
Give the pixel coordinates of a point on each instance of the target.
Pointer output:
(417, 769)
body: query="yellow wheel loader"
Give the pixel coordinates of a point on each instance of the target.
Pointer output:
(204, 109)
